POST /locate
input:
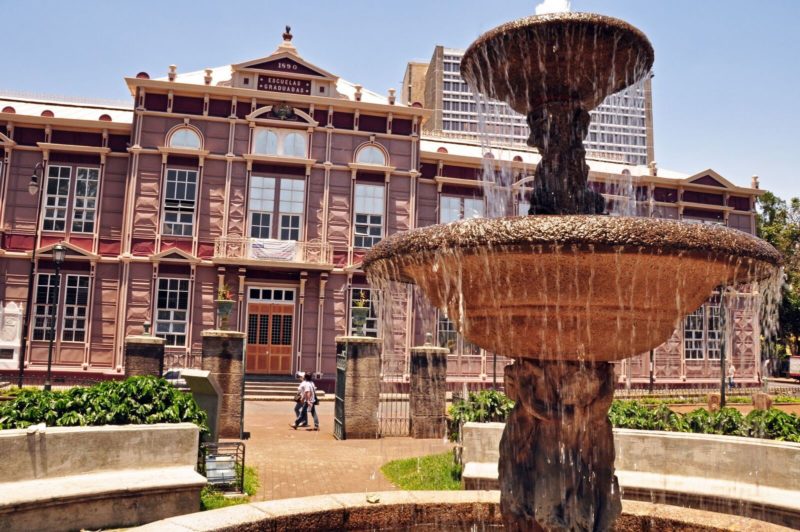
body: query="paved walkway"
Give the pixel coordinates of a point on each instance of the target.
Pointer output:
(298, 463)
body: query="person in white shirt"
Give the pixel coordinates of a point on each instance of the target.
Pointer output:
(299, 402)
(308, 397)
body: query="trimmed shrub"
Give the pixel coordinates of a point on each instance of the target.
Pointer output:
(134, 401)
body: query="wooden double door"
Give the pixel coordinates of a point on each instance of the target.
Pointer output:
(270, 331)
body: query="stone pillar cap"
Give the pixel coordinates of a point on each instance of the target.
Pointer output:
(430, 349)
(222, 334)
(144, 339)
(358, 340)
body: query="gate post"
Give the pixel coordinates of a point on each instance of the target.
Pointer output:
(223, 357)
(358, 365)
(428, 392)
(144, 355)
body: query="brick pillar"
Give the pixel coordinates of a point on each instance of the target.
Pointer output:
(428, 394)
(223, 358)
(144, 355)
(359, 405)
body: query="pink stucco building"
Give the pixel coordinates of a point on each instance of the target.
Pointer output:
(270, 179)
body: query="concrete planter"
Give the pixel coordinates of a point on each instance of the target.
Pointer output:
(745, 476)
(71, 478)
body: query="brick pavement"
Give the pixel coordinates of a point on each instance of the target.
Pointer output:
(298, 463)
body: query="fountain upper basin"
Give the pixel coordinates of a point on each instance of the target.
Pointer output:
(559, 57)
(598, 288)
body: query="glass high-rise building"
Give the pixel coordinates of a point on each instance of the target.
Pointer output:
(621, 128)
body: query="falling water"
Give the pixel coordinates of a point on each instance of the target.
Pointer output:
(564, 295)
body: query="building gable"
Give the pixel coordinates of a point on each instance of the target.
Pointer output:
(709, 178)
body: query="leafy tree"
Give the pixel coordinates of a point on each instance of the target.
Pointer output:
(778, 222)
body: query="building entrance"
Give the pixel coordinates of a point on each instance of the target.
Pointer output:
(270, 324)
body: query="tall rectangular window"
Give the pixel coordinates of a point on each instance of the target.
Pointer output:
(45, 299)
(361, 298)
(292, 199)
(179, 202)
(85, 202)
(172, 316)
(276, 207)
(693, 335)
(262, 205)
(452, 208)
(76, 308)
(702, 331)
(57, 198)
(368, 215)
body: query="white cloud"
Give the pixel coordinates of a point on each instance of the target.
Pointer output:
(552, 6)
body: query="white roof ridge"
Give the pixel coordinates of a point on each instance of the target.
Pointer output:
(70, 101)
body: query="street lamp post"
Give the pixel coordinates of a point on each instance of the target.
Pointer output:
(59, 252)
(35, 186)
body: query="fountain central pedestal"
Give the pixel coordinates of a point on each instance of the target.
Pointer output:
(556, 466)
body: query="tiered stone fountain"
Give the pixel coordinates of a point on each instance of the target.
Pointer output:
(567, 293)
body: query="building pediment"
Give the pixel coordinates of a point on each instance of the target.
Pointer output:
(72, 252)
(284, 63)
(284, 71)
(709, 178)
(174, 255)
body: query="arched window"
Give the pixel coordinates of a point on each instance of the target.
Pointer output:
(294, 145)
(265, 142)
(185, 138)
(371, 155)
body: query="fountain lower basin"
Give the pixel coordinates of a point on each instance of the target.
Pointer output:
(594, 288)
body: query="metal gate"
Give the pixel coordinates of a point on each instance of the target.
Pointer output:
(394, 414)
(338, 407)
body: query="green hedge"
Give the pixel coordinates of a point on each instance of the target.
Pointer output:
(773, 424)
(483, 406)
(137, 400)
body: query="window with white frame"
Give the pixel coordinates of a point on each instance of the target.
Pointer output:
(371, 154)
(172, 314)
(288, 143)
(693, 326)
(363, 298)
(179, 202)
(289, 211)
(292, 199)
(452, 208)
(76, 308)
(84, 206)
(368, 215)
(57, 198)
(447, 336)
(702, 332)
(262, 205)
(45, 299)
(185, 137)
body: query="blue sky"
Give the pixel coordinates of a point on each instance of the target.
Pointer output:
(725, 90)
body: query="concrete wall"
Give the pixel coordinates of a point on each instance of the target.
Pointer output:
(745, 460)
(64, 451)
(72, 478)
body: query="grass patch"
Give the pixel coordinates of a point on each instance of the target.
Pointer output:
(433, 472)
(211, 499)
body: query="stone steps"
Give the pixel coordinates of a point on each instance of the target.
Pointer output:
(268, 388)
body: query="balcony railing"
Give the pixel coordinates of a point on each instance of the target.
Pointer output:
(268, 249)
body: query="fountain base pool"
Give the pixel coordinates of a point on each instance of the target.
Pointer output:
(426, 511)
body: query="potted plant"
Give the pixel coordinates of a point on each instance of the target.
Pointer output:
(224, 305)
(360, 314)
